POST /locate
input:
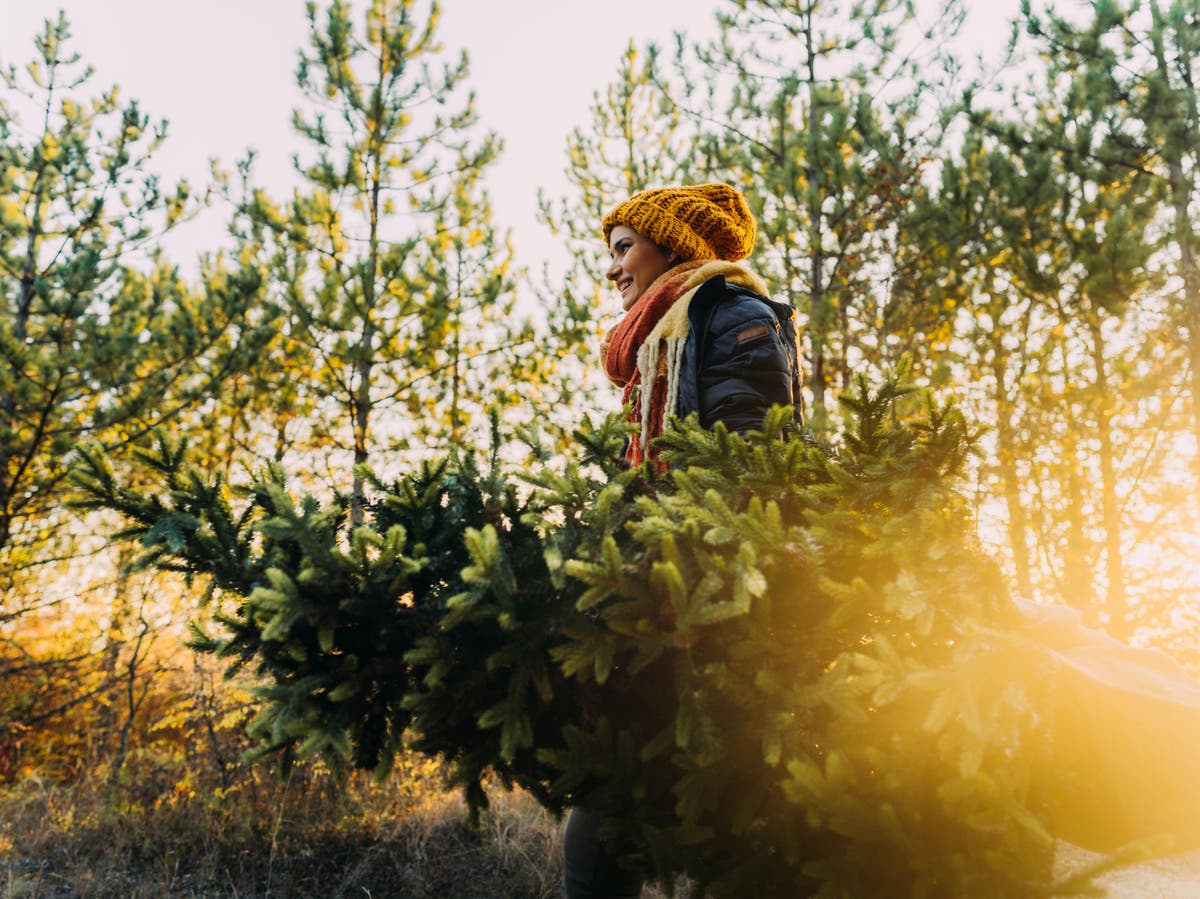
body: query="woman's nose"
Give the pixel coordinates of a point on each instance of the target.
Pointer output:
(611, 274)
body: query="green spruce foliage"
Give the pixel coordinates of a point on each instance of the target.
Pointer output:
(778, 665)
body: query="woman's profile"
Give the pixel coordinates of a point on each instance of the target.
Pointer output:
(700, 334)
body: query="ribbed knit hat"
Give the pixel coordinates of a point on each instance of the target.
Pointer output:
(699, 221)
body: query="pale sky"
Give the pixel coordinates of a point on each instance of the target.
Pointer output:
(222, 72)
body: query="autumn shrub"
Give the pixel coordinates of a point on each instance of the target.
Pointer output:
(72, 707)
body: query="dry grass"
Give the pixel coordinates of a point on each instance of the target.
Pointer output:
(308, 837)
(158, 835)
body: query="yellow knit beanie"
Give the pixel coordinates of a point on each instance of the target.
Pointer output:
(699, 221)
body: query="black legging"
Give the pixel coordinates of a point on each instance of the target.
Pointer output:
(591, 872)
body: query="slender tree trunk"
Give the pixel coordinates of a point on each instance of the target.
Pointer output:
(1189, 271)
(1076, 572)
(456, 423)
(1192, 299)
(365, 363)
(1182, 103)
(362, 417)
(135, 689)
(818, 317)
(1006, 452)
(1191, 304)
(115, 641)
(10, 463)
(1115, 604)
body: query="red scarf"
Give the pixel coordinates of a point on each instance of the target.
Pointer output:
(621, 355)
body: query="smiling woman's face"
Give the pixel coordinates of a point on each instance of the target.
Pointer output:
(636, 262)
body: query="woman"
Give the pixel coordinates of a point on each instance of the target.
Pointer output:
(700, 336)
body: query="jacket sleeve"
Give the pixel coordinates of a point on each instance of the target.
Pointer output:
(744, 367)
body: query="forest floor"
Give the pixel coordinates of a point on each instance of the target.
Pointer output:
(407, 838)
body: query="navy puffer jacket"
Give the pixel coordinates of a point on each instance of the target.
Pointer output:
(739, 358)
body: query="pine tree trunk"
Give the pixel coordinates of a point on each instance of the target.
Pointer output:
(1115, 604)
(1077, 574)
(362, 421)
(11, 465)
(1190, 274)
(1181, 197)
(1006, 452)
(1175, 149)
(1077, 580)
(818, 324)
(366, 359)
(456, 364)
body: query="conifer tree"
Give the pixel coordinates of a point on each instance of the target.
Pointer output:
(1053, 237)
(991, 222)
(1140, 64)
(821, 115)
(1105, 235)
(101, 338)
(397, 290)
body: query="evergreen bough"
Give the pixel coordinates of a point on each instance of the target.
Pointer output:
(778, 666)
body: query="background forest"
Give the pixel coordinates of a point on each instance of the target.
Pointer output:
(1020, 239)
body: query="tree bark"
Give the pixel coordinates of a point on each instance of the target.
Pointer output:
(1006, 453)
(818, 324)
(1115, 602)
(1175, 148)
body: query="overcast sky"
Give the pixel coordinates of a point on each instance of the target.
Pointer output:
(222, 72)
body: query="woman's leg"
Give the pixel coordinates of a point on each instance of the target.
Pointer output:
(590, 871)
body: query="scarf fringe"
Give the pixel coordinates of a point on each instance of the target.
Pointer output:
(652, 391)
